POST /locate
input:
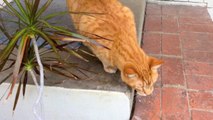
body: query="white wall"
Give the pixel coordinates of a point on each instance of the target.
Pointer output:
(68, 104)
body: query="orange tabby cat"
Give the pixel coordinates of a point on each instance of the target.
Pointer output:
(116, 23)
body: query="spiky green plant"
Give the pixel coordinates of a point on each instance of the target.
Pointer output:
(32, 25)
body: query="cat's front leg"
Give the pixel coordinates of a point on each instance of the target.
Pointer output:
(109, 69)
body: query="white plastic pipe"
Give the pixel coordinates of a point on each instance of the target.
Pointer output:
(39, 102)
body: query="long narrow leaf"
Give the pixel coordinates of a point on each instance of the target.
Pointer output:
(16, 13)
(28, 7)
(25, 80)
(53, 15)
(11, 44)
(75, 54)
(65, 69)
(43, 8)
(10, 66)
(22, 10)
(3, 28)
(62, 29)
(34, 10)
(67, 39)
(35, 7)
(45, 37)
(3, 9)
(88, 53)
(4, 54)
(47, 67)
(89, 40)
(13, 21)
(44, 43)
(19, 59)
(5, 32)
(17, 96)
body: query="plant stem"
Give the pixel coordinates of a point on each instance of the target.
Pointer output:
(41, 87)
(34, 78)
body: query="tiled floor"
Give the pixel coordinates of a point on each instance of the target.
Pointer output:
(183, 37)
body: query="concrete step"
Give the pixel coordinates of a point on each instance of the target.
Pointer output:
(101, 96)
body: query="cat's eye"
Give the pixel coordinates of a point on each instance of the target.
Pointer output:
(132, 75)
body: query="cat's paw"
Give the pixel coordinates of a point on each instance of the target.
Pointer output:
(110, 69)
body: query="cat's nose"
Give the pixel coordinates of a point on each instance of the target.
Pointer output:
(149, 91)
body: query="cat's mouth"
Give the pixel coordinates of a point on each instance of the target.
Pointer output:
(144, 92)
(141, 93)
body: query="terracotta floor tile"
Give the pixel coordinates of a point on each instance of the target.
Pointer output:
(174, 104)
(153, 9)
(148, 108)
(172, 71)
(193, 35)
(196, 68)
(195, 28)
(169, 24)
(202, 115)
(170, 10)
(158, 83)
(166, 28)
(171, 45)
(198, 56)
(197, 41)
(210, 36)
(152, 43)
(199, 82)
(153, 23)
(189, 11)
(210, 28)
(195, 20)
(201, 100)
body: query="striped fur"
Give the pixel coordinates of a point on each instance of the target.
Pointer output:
(115, 22)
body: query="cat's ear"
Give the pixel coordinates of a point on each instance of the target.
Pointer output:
(155, 63)
(130, 71)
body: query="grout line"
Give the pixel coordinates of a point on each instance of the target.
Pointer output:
(198, 62)
(200, 75)
(166, 56)
(172, 33)
(185, 82)
(172, 56)
(160, 32)
(203, 110)
(183, 68)
(197, 32)
(209, 24)
(174, 86)
(161, 91)
(185, 88)
(177, 3)
(188, 50)
(196, 90)
(189, 31)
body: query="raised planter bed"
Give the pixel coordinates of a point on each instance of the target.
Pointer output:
(100, 96)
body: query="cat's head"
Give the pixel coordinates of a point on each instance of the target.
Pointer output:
(139, 78)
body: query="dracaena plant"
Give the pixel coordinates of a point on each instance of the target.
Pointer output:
(21, 51)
